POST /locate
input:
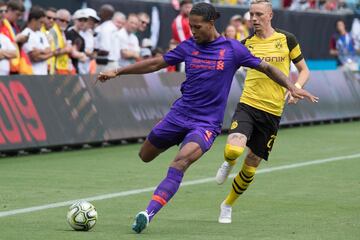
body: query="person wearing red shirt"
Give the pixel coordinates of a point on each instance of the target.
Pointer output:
(180, 26)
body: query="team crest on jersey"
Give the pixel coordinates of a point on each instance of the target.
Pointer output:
(234, 125)
(278, 44)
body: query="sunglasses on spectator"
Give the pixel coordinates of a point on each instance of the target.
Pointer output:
(63, 20)
(3, 10)
(82, 19)
(50, 18)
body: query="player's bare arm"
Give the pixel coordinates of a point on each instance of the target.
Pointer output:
(303, 77)
(281, 79)
(146, 66)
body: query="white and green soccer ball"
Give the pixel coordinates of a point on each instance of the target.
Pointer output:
(82, 216)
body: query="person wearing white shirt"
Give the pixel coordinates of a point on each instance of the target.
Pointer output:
(7, 48)
(128, 42)
(37, 47)
(108, 52)
(88, 35)
(7, 51)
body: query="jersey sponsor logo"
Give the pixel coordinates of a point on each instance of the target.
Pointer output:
(273, 59)
(234, 125)
(197, 63)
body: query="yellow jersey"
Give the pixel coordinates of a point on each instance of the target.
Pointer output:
(278, 50)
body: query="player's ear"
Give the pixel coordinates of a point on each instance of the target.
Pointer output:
(271, 14)
(212, 23)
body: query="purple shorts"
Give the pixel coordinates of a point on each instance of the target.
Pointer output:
(178, 128)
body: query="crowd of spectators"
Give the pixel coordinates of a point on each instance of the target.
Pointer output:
(54, 41)
(299, 5)
(345, 45)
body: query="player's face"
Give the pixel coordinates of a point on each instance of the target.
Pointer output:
(200, 29)
(260, 16)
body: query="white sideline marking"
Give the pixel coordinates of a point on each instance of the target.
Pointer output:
(187, 183)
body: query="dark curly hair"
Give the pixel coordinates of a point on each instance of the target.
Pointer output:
(206, 10)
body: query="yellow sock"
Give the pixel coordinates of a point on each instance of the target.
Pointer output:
(240, 183)
(231, 153)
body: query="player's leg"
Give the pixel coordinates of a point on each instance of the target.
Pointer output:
(164, 135)
(149, 152)
(240, 183)
(260, 145)
(235, 145)
(241, 128)
(194, 145)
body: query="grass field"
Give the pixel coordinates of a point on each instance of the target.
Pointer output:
(316, 201)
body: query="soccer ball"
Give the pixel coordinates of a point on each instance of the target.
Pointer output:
(82, 216)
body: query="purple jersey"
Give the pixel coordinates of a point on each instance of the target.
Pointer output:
(209, 70)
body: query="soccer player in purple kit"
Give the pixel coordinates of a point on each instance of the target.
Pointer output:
(195, 119)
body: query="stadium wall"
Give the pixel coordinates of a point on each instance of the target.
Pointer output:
(51, 111)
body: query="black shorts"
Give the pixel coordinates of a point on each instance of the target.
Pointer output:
(258, 126)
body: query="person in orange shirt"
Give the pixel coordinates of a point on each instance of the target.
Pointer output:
(9, 28)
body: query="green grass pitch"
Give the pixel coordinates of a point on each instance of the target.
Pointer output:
(319, 201)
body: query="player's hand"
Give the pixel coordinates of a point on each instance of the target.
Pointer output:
(290, 99)
(104, 76)
(301, 93)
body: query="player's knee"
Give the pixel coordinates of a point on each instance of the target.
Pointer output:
(252, 159)
(145, 157)
(232, 152)
(181, 162)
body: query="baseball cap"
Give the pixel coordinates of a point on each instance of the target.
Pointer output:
(236, 17)
(247, 16)
(80, 14)
(91, 13)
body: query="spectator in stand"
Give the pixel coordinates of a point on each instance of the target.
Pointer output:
(88, 34)
(78, 43)
(247, 24)
(342, 45)
(106, 12)
(37, 47)
(7, 48)
(49, 20)
(61, 63)
(129, 43)
(14, 11)
(237, 22)
(230, 32)
(180, 26)
(144, 21)
(108, 53)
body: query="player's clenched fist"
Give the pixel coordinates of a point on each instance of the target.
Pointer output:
(104, 76)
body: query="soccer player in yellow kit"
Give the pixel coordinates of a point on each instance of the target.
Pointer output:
(256, 119)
